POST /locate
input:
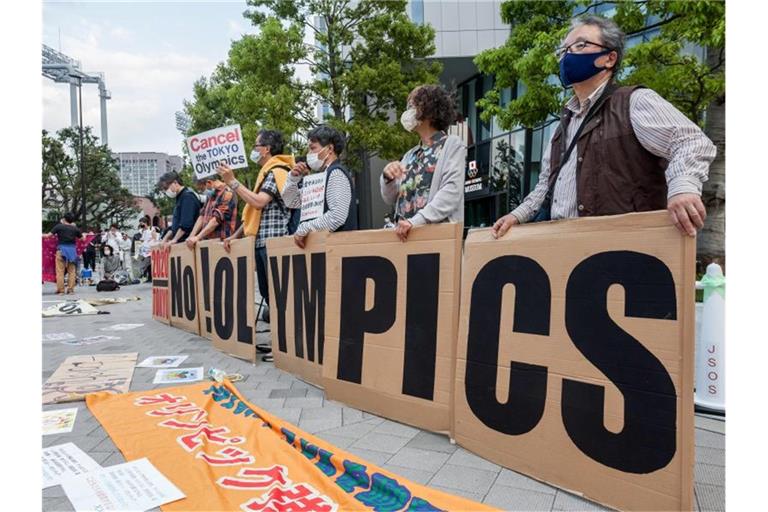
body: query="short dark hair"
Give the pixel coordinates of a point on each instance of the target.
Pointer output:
(436, 105)
(273, 140)
(69, 217)
(613, 37)
(168, 178)
(325, 135)
(113, 226)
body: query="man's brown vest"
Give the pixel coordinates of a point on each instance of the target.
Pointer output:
(615, 173)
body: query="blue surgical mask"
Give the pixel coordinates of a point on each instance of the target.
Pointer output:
(577, 67)
(210, 192)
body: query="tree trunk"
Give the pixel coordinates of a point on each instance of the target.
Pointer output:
(711, 240)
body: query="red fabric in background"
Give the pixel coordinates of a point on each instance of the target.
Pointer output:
(50, 245)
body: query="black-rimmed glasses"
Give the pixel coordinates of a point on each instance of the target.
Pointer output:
(576, 47)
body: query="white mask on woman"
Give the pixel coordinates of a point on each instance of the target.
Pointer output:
(408, 119)
(314, 162)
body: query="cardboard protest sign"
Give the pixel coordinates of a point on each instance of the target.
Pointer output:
(183, 288)
(226, 296)
(312, 196)
(223, 145)
(575, 357)
(79, 375)
(391, 321)
(161, 298)
(224, 453)
(297, 305)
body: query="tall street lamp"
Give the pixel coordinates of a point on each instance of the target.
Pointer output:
(82, 167)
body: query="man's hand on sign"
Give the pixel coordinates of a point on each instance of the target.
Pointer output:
(300, 169)
(687, 213)
(402, 229)
(301, 240)
(227, 246)
(502, 225)
(393, 171)
(226, 173)
(191, 241)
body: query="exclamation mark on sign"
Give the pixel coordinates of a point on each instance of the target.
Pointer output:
(206, 286)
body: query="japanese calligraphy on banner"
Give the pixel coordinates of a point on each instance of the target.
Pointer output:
(226, 296)
(575, 357)
(391, 322)
(312, 196)
(218, 146)
(182, 288)
(161, 299)
(225, 454)
(297, 299)
(79, 375)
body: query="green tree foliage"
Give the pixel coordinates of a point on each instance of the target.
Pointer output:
(365, 57)
(107, 201)
(659, 63)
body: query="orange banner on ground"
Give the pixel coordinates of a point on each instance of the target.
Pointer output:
(227, 454)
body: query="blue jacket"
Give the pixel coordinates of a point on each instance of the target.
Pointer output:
(185, 213)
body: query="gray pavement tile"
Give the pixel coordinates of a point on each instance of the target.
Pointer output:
(56, 491)
(105, 446)
(315, 392)
(304, 403)
(57, 505)
(381, 442)
(322, 413)
(712, 456)
(350, 416)
(470, 495)
(355, 431)
(372, 456)
(415, 475)
(434, 442)
(710, 497)
(710, 423)
(289, 414)
(468, 479)
(300, 384)
(318, 425)
(510, 498)
(462, 457)
(114, 458)
(709, 474)
(396, 429)
(288, 393)
(511, 478)
(270, 404)
(338, 441)
(709, 439)
(569, 502)
(416, 458)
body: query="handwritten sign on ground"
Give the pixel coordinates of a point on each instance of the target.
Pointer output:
(575, 357)
(161, 299)
(79, 375)
(218, 146)
(65, 461)
(312, 196)
(297, 305)
(70, 308)
(226, 296)
(224, 453)
(391, 322)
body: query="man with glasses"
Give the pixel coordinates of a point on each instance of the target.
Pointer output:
(617, 149)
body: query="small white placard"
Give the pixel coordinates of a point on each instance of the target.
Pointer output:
(65, 461)
(135, 485)
(312, 196)
(121, 327)
(58, 336)
(223, 145)
(178, 375)
(162, 362)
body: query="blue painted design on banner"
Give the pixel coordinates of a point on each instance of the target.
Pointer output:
(241, 406)
(308, 450)
(422, 505)
(354, 476)
(290, 437)
(385, 494)
(325, 464)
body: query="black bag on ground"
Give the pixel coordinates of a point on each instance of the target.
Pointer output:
(107, 285)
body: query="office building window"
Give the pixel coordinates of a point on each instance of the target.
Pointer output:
(417, 11)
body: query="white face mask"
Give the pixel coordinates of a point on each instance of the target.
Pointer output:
(170, 193)
(408, 119)
(255, 156)
(314, 162)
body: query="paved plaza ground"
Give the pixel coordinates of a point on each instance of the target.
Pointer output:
(418, 455)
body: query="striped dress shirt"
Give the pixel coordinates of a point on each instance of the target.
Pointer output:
(338, 195)
(661, 129)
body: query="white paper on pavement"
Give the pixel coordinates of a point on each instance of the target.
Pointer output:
(312, 196)
(59, 421)
(162, 362)
(135, 485)
(178, 375)
(58, 336)
(65, 461)
(121, 327)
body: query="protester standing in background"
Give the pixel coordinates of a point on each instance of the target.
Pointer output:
(66, 253)
(125, 254)
(427, 185)
(186, 210)
(340, 207)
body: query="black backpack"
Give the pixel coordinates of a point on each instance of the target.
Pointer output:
(107, 285)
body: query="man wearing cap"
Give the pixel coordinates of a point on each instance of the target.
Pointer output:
(219, 213)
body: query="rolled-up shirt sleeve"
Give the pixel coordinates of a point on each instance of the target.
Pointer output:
(666, 132)
(291, 192)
